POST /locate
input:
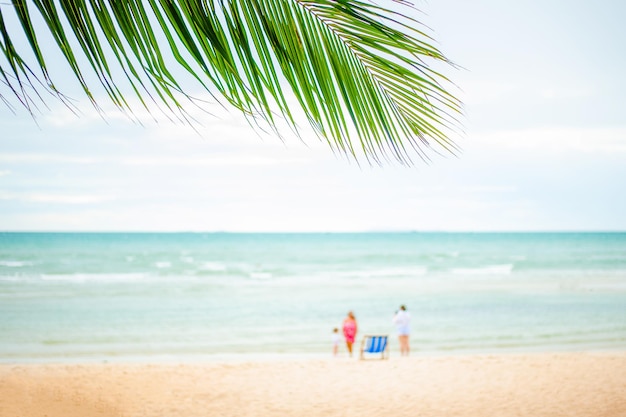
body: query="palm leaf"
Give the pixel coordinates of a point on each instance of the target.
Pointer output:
(362, 74)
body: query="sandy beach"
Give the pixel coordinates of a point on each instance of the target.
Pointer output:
(563, 384)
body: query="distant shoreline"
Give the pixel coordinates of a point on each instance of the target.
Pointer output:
(263, 357)
(357, 232)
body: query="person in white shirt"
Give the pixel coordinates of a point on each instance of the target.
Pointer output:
(402, 320)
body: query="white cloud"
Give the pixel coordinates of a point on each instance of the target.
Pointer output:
(45, 158)
(495, 189)
(207, 161)
(61, 116)
(4, 173)
(605, 140)
(202, 117)
(480, 92)
(49, 198)
(555, 93)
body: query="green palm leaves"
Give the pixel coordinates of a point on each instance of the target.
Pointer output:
(361, 73)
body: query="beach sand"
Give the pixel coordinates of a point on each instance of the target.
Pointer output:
(562, 384)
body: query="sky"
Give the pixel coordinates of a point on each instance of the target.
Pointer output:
(543, 147)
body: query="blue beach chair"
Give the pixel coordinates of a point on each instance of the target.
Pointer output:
(373, 345)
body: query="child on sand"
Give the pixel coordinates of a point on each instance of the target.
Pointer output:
(335, 339)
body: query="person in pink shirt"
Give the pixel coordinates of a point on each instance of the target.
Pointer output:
(349, 330)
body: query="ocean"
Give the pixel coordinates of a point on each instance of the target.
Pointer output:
(200, 296)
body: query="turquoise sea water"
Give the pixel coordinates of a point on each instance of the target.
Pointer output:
(124, 296)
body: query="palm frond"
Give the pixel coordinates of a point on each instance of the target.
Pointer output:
(363, 74)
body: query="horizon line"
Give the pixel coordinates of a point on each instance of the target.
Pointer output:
(399, 231)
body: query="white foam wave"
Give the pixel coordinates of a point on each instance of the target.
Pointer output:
(485, 270)
(92, 277)
(260, 275)
(11, 278)
(14, 264)
(608, 257)
(213, 266)
(385, 272)
(163, 264)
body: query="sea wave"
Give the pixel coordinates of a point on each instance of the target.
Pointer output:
(485, 270)
(212, 266)
(383, 272)
(260, 275)
(81, 277)
(15, 264)
(11, 278)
